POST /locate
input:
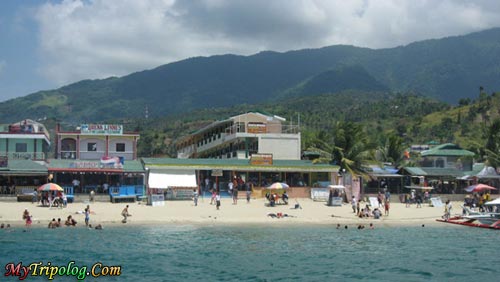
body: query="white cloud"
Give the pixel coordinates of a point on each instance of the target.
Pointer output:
(96, 39)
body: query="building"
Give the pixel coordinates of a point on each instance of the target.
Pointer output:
(241, 136)
(24, 147)
(95, 155)
(441, 167)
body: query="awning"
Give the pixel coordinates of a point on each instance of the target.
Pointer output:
(172, 178)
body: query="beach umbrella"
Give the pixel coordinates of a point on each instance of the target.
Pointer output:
(50, 187)
(278, 185)
(479, 188)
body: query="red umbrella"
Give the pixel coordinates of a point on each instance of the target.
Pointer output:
(479, 188)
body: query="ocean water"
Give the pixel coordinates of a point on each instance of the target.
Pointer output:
(261, 253)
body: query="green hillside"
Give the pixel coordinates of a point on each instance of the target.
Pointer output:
(445, 69)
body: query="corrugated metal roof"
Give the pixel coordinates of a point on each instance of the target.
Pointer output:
(415, 171)
(447, 149)
(128, 165)
(238, 165)
(23, 167)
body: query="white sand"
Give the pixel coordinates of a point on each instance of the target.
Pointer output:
(184, 212)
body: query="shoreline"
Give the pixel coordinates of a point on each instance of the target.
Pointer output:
(254, 213)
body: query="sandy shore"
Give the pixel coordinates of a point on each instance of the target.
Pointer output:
(184, 212)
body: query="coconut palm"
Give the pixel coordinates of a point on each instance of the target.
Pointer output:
(352, 149)
(393, 150)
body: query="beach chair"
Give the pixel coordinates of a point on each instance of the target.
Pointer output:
(436, 202)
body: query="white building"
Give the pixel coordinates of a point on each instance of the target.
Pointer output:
(241, 136)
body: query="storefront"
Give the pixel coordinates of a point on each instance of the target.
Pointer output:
(95, 174)
(208, 174)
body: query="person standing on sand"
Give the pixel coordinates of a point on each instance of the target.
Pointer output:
(195, 197)
(87, 217)
(353, 204)
(217, 200)
(387, 206)
(125, 214)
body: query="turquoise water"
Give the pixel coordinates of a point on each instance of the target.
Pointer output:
(261, 253)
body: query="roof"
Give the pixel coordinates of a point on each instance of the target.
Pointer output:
(23, 167)
(447, 149)
(68, 165)
(434, 171)
(237, 165)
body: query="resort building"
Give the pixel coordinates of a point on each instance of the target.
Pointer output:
(24, 147)
(241, 136)
(96, 156)
(441, 167)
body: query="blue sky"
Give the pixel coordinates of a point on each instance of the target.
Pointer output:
(49, 44)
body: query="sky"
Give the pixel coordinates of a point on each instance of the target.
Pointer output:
(48, 44)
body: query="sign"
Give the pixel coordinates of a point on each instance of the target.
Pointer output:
(84, 164)
(256, 128)
(101, 129)
(216, 172)
(157, 200)
(261, 159)
(115, 163)
(4, 161)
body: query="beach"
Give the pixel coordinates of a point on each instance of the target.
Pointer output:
(255, 212)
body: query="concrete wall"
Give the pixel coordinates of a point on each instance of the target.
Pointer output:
(282, 146)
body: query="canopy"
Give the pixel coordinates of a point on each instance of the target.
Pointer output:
(336, 187)
(172, 178)
(50, 187)
(278, 185)
(493, 203)
(420, 187)
(479, 188)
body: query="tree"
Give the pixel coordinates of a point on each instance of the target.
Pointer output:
(492, 146)
(393, 150)
(352, 149)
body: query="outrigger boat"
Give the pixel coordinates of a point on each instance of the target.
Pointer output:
(489, 220)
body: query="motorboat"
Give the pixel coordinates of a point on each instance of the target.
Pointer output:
(489, 220)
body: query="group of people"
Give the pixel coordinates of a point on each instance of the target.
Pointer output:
(274, 198)
(477, 201)
(367, 212)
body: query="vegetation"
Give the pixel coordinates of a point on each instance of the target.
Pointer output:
(448, 69)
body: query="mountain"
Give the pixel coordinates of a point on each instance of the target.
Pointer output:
(447, 69)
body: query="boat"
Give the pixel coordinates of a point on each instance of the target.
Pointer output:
(490, 220)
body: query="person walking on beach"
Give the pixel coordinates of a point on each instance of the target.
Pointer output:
(217, 200)
(195, 197)
(214, 194)
(87, 217)
(387, 206)
(125, 214)
(235, 196)
(353, 204)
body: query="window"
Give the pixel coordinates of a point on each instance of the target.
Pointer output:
(120, 147)
(91, 147)
(21, 147)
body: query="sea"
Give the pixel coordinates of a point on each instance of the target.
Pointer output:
(252, 253)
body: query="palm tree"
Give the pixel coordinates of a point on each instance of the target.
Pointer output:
(393, 150)
(492, 146)
(351, 148)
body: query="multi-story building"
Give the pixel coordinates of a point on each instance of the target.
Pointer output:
(241, 136)
(96, 156)
(24, 140)
(24, 147)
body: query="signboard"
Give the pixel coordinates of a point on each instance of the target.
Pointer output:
(4, 161)
(256, 128)
(101, 129)
(157, 200)
(261, 159)
(216, 172)
(113, 162)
